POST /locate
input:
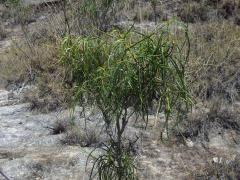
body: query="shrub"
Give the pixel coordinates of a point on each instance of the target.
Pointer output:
(213, 66)
(96, 16)
(85, 138)
(193, 12)
(201, 123)
(32, 59)
(224, 169)
(59, 127)
(20, 12)
(228, 8)
(120, 70)
(197, 11)
(20, 66)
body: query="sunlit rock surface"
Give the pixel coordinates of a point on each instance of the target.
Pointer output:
(28, 150)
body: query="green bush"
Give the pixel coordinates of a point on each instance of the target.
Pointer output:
(120, 70)
(108, 167)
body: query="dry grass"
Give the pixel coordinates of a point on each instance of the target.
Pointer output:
(190, 11)
(223, 169)
(33, 59)
(38, 66)
(194, 11)
(75, 134)
(3, 32)
(85, 138)
(145, 12)
(14, 66)
(218, 117)
(60, 127)
(214, 61)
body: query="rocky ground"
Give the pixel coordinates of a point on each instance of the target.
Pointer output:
(30, 150)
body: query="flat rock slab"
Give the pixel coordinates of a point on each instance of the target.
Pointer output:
(29, 150)
(45, 163)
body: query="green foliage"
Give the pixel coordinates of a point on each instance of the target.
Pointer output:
(107, 164)
(12, 2)
(120, 70)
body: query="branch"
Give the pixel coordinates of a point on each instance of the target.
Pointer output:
(4, 175)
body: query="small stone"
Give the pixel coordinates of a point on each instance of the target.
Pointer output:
(217, 160)
(189, 143)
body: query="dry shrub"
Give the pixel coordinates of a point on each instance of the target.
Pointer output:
(193, 12)
(228, 8)
(5, 14)
(214, 77)
(14, 67)
(218, 117)
(3, 32)
(39, 66)
(60, 127)
(74, 134)
(200, 10)
(224, 169)
(215, 61)
(147, 11)
(85, 138)
(52, 91)
(33, 57)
